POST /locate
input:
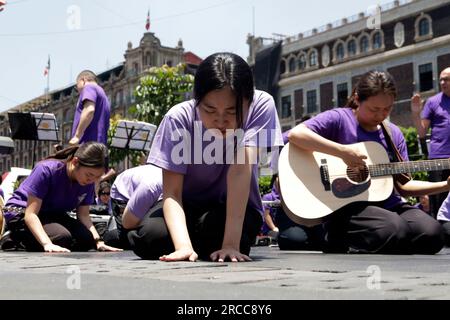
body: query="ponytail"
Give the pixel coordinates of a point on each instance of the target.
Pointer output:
(90, 154)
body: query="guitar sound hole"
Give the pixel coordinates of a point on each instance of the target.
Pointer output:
(358, 175)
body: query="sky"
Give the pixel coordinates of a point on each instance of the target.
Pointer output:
(93, 34)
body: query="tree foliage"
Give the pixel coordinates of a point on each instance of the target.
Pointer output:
(159, 90)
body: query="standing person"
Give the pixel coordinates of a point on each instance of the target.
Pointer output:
(36, 214)
(390, 226)
(435, 114)
(133, 194)
(91, 122)
(207, 148)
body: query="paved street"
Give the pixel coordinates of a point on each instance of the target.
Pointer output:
(274, 274)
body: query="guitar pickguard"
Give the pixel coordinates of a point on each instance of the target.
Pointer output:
(343, 188)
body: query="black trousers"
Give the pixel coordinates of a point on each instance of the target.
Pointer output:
(293, 236)
(437, 199)
(446, 227)
(62, 230)
(116, 234)
(206, 226)
(369, 228)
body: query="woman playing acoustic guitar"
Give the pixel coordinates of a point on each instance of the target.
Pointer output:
(390, 226)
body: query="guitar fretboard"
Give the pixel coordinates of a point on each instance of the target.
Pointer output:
(378, 170)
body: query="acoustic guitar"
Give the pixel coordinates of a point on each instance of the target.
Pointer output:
(314, 184)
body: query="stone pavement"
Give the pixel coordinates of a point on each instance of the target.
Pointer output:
(273, 275)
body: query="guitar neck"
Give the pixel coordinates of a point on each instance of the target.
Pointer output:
(378, 170)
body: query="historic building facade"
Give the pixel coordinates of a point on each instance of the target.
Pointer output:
(118, 82)
(318, 69)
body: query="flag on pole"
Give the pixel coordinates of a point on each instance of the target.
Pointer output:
(147, 24)
(47, 67)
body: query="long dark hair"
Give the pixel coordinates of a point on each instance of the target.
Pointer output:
(225, 69)
(90, 154)
(372, 84)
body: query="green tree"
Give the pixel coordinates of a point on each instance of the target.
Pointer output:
(159, 90)
(414, 153)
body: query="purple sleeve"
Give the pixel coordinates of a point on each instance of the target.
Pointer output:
(263, 127)
(88, 93)
(266, 197)
(38, 181)
(144, 198)
(428, 111)
(171, 142)
(326, 124)
(90, 196)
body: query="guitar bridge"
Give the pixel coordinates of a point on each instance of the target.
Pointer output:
(324, 175)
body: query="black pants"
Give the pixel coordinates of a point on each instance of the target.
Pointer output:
(293, 236)
(364, 228)
(62, 230)
(116, 234)
(437, 199)
(206, 230)
(446, 227)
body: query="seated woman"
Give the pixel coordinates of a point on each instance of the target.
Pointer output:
(133, 194)
(390, 226)
(37, 213)
(104, 195)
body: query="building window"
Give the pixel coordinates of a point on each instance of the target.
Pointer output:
(282, 66)
(351, 47)
(286, 107)
(291, 65)
(340, 51)
(302, 62)
(377, 40)
(364, 44)
(311, 101)
(426, 77)
(342, 94)
(313, 58)
(148, 59)
(424, 27)
(135, 68)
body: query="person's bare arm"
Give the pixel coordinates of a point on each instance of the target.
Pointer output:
(85, 120)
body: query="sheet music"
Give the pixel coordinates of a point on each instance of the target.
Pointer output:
(46, 126)
(135, 135)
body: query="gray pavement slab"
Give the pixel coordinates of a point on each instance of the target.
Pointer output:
(272, 275)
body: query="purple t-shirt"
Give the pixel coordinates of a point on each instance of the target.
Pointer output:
(98, 128)
(285, 136)
(437, 110)
(272, 196)
(340, 125)
(444, 211)
(49, 182)
(140, 187)
(178, 147)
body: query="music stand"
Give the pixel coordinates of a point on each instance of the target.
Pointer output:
(134, 135)
(35, 126)
(6, 145)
